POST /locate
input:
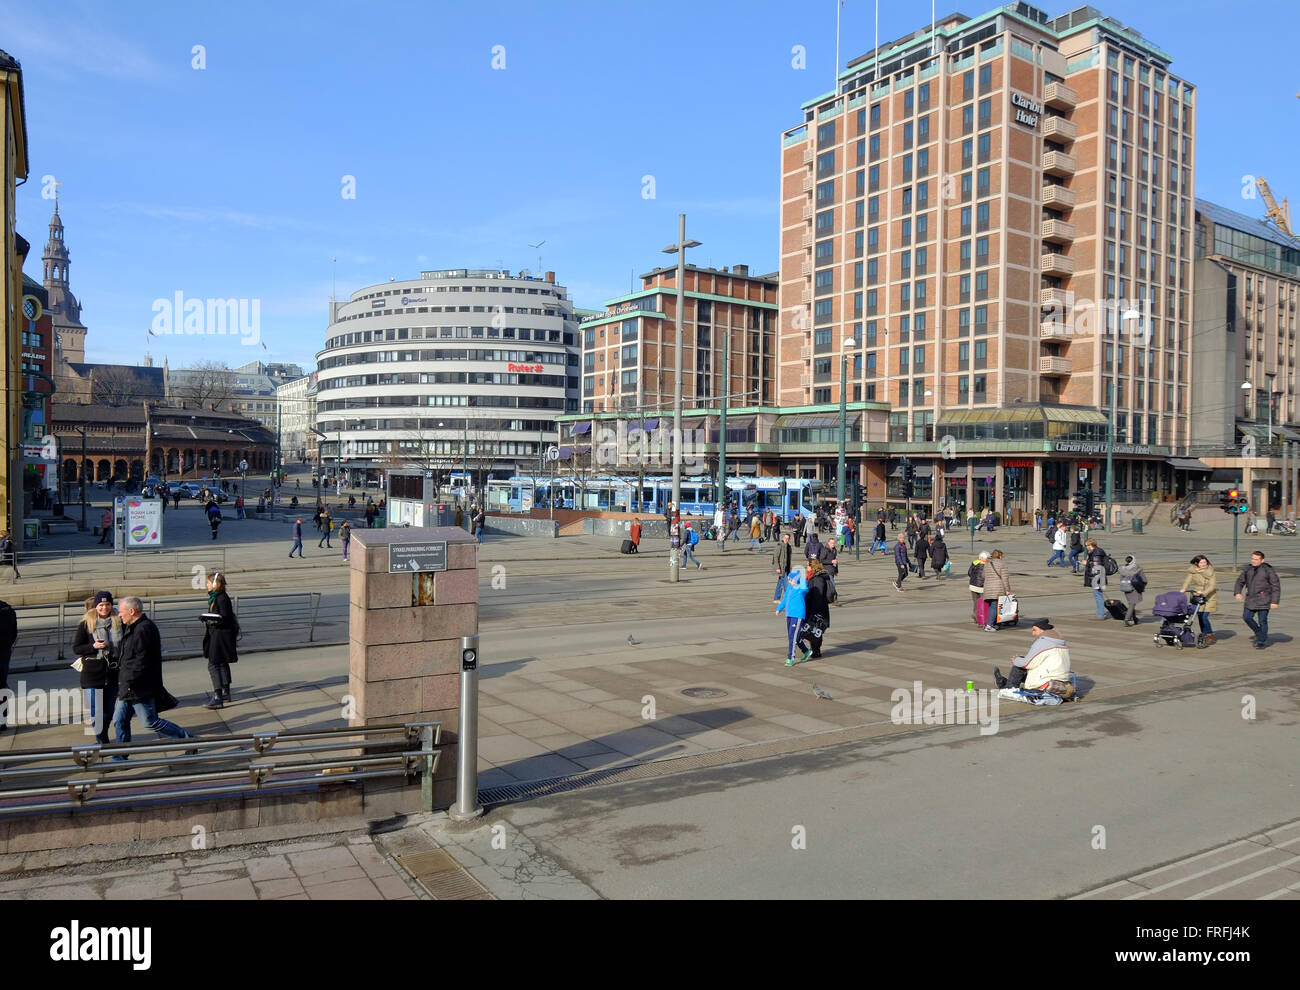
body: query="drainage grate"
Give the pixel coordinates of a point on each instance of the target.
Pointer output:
(454, 885)
(705, 692)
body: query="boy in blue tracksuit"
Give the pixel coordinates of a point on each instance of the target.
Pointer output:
(794, 607)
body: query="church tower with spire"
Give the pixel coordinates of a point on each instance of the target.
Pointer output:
(69, 332)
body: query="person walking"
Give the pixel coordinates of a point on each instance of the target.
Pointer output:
(1094, 577)
(460, 518)
(297, 539)
(219, 639)
(810, 527)
(8, 552)
(345, 534)
(634, 534)
(105, 526)
(720, 526)
(326, 528)
(910, 531)
(793, 604)
(975, 584)
(1133, 581)
(1201, 580)
(1076, 547)
(95, 644)
(997, 582)
(893, 518)
(781, 562)
(817, 606)
(1259, 591)
(1270, 517)
(477, 519)
(878, 543)
(214, 517)
(755, 533)
(689, 540)
(1060, 542)
(922, 550)
(901, 561)
(938, 555)
(813, 548)
(829, 555)
(239, 506)
(176, 499)
(140, 684)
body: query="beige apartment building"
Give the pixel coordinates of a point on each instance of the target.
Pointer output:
(998, 214)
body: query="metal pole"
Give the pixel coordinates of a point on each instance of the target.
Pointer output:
(1295, 478)
(844, 425)
(722, 425)
(467, 806)
(83, 480)
(674, 564)
(1236, 519)
(1110, 450)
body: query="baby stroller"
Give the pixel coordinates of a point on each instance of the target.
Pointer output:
(1178, 612)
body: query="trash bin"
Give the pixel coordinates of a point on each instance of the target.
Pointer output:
(1137, 525)
(380, 522)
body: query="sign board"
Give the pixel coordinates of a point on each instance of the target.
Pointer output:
(552, 453)
(1083, 474)
(405, 558)
(527, 501)
(139, 521)
(34, 451)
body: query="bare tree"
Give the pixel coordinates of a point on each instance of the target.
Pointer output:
(119, 385)
(207, 384)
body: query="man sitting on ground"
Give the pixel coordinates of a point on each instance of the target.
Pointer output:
(1047, 659)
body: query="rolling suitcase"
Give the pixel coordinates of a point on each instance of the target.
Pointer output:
(1117, 609)
(1008, 611)
(982, 612)
(627, 547)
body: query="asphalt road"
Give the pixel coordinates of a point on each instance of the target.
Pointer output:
(946, 812)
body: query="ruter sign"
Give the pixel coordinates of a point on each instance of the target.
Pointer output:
(408, 558)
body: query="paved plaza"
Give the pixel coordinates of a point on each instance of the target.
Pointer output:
(702, 695)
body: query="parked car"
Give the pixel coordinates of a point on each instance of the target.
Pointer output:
(190, 489)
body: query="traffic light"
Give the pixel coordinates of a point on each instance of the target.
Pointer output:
(1089, 501)
(909, 472)
(855, 497)
(1081, 501)
(1229, 500)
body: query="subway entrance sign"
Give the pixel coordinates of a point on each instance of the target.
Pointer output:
(404, 558)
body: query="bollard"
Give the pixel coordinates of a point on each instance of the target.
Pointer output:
(467, 806)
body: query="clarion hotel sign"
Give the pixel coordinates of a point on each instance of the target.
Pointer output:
(1027, 111)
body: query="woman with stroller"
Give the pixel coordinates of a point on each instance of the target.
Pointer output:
(1132, 581)
(1201, 581)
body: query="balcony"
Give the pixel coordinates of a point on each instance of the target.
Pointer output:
(1058, 197)
(1060, 231)
(1054, 330)
(808, 152)
(1054, 298)
(1054, 366)
(807, 240)
(1053, 263)
(807, 211)
(806, 296)
(805, 379)
(805, 353)
(807, 183)
(805, 268)
(1058, 163)
(1059, 96)
(1060, 129)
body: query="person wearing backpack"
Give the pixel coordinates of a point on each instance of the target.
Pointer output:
(691, 539)
(1096, 568)
(1060, 540)
(8, 635)
(1076, 548)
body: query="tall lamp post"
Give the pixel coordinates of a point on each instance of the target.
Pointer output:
(1129, 315)
(844, 414)
(678, 249)
(82, 474)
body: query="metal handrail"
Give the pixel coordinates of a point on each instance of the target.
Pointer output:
(29, 616)
(256, 776)
(87, 562)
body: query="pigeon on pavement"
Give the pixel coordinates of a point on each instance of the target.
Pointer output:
(633, 642)
(817, 690)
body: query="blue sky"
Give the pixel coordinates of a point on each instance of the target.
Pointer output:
(227, 181)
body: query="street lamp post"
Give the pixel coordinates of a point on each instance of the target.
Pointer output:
(82, 474)
(722, 425)
(844, 415)
(680, 250)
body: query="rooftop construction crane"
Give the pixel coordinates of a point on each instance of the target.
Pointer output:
(1280, 215)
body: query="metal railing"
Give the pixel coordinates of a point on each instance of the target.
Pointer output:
(82, 776)
(94, 565)
(50, 628)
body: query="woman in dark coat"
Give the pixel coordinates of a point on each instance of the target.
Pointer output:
(817, 603)
(938, 556)
(219, 639)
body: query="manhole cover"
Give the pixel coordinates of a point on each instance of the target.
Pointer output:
(704, 692)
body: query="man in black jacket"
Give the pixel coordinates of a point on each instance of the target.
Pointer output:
(829, 555)
(1259, 590)
(140, 685)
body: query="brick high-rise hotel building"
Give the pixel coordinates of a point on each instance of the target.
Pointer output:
(977, 207)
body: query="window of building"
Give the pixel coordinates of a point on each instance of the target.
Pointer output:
(826, 163)
(825, 194)
(981, 319)
(826, 222)
(968, 84)
(980, 391)
(981, 285)
(824, 281)
(986, 113)
(986, 78)
(981, 354)
(985, 144)
(981, 250)
(982, 183)
(909, 103)
(825, 251)
(967, 119)
(922, 256)
(963, 291)
(965, 254)
(965, 221)
(826, 134)
(982, 217)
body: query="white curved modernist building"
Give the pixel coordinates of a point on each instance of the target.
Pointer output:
(459, 368)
